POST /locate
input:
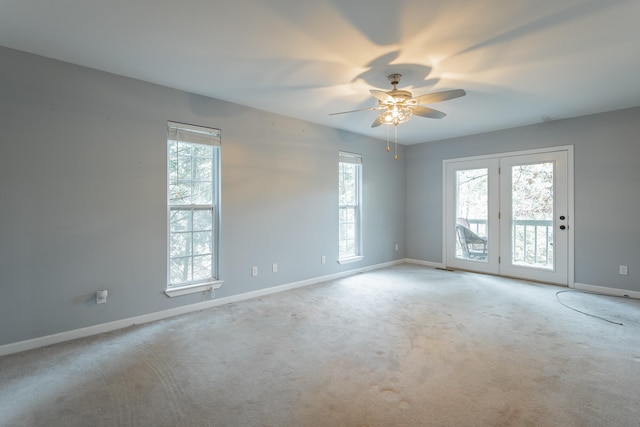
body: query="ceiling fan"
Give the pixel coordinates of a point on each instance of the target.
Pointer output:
(398, 106)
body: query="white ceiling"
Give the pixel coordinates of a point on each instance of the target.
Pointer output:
(520, 62)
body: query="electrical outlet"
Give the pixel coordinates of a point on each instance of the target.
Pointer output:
(274, 268)
(323, 259)
(254, 271)
(101, 296)
(396, 246)
(623, 270)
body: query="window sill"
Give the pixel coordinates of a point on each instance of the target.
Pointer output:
(350, 259)
(192, 289)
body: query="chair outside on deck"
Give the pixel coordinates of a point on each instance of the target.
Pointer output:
(473, 246)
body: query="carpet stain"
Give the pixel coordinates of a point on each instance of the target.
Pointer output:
(390, 395)
(387, 393)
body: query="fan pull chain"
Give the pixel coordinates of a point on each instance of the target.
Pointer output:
(396, 141)
(388, 149)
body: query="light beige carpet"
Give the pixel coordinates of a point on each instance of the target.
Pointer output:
(403, 346)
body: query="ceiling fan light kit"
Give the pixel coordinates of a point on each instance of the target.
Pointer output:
(398, 106)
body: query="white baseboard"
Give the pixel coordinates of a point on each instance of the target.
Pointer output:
(607, 291)
(425, 263)
(159, 315)
(300, 284)
(579, 286)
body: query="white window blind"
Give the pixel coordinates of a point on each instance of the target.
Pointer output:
(350, 158)
(192, 133)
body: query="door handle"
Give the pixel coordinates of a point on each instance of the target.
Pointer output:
(561, 217)
(562, 227)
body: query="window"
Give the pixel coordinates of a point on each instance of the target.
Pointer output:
(350, 212)
(193, 195)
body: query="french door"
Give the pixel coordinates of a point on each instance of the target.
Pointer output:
(509, 215)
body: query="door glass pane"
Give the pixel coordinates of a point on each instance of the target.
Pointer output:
(532, 215)
(472, 207)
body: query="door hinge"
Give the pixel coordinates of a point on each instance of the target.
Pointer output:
(498, 260)
(498, 215)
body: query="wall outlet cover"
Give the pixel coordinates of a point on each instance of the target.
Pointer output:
(101, 296)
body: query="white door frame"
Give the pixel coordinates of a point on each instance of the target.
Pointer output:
(570, 198)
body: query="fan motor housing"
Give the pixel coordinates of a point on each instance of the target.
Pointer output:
(400, 95)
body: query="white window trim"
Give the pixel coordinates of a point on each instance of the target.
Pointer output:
(345, 157)
(198, 135)
(176, 291)
(351, 259)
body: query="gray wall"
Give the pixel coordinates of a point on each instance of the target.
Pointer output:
(607, 190)
(83, 196)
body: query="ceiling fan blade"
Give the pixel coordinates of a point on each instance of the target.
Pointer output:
(377, 122)
(355, 111)
(428, 112)
(382, 96)
(445, 95)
